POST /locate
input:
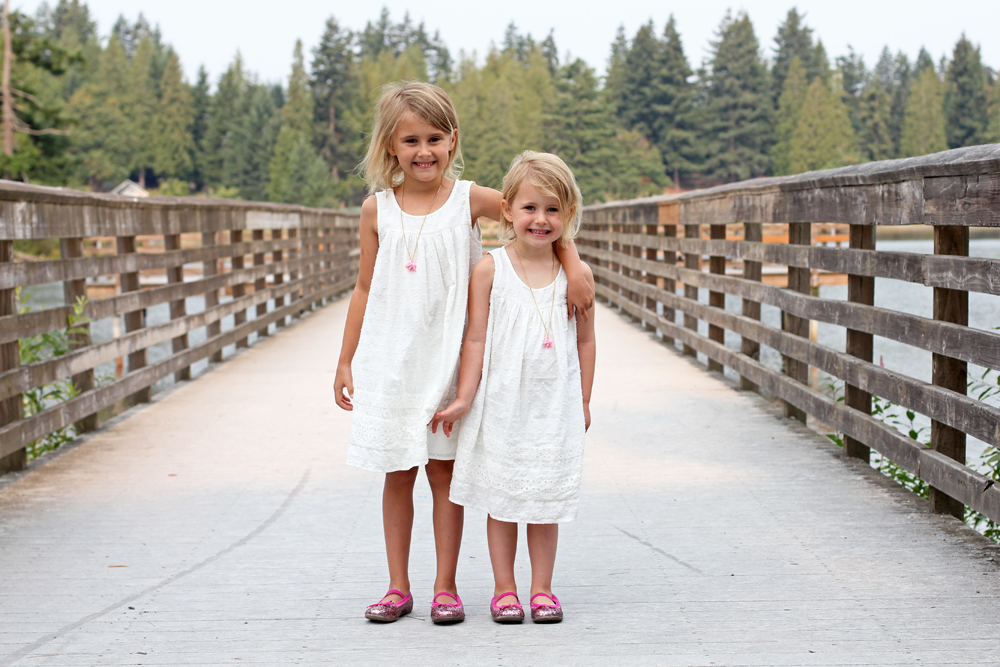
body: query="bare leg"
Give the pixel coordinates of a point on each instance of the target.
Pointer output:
(397, 521)
(449, 520)
(502, 538)
(542, 541)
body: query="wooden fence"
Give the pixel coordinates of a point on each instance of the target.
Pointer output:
(643, 250)
(275, 261)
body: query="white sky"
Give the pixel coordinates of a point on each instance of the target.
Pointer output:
(211, 31)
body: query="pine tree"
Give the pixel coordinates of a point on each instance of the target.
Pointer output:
(893, 72)
(794, 39)
(228, 105)
(874, 117)
(334, 82)
(636, 89)
(173, 143)
(201, 101)
(787, 118)
(924, 124)
(675, 129)
(616, 67)
(993, 122)
(102, 142)
(965, 96)
(738, 96)
(823, 138)
(141, 107)
(924, 61)
(551, 52)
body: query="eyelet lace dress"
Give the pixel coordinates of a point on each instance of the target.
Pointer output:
(520, 450)
(406, 365)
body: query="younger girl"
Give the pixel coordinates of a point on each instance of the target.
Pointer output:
(419, 241)
(520, 451)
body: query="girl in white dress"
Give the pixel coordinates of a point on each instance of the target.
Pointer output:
(524, 387)
(402, 340)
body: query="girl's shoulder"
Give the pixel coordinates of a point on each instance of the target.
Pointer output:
(484, 202)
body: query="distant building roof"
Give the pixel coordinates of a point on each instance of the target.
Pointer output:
(129, 188)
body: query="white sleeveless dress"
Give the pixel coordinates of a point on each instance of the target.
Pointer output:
(406, 365)
(520, 450)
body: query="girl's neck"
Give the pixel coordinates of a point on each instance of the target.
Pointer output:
(532, 254)
(411, 187)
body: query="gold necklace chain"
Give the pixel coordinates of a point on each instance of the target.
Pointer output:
(547, 327)
(411, 265)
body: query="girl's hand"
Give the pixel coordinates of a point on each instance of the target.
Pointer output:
(344, 380)
(586, 417)
(449, 416)
(579, 294)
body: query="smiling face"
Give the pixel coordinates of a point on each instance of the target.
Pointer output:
(423, 151)
(535, 216)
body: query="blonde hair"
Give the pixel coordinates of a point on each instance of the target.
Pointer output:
(429, 103)
(553, 178)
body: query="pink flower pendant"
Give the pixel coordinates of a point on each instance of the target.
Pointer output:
(411, 266)
(547, 343)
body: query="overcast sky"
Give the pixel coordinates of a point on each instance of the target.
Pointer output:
(210, 32)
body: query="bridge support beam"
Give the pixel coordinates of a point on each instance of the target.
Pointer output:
(860, 289)
(11, 409)
(753, 232)
(799, 233)
(947, 372)
(717, 265)
(72, 248)
(691, 261)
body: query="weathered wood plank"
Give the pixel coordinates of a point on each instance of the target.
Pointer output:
(211, 268)
(716, 299)
(973, 274)
(74, 292)
(134, 319)
(240, 288)
(974, 417)
(860, 289)
(11, 409)
(753, 232)
(950, 373)
(16, 435)
(972, 488)
(971, 345)
(178, 308)
(692, 262)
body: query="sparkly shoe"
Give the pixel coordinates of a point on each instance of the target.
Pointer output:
(387, 612)
(507, 613)
(546, 613)
(442, 612)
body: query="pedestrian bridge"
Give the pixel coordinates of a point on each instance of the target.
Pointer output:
(212, 521)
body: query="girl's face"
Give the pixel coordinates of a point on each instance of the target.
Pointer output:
(536, 217)
(421, 148)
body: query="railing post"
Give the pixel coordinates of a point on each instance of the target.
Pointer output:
(136, 319)
(692, 260)
(717, 266)
(237, 261)
(293, 273)
(860, 289)
(799, 233)
(70, 248)
(949, 306)
(753, 232)
(178, 308)
(260, 283)
(651, 229)
(669, 216)
(278, 277)
(12, 408)
(210, 268)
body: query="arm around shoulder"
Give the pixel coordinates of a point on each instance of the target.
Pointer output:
(484, 203)
(586, 345)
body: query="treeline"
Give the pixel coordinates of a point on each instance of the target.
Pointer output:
(91, 111)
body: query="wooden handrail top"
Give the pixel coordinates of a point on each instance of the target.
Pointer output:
(919, 190)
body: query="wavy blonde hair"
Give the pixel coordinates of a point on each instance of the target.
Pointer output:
(552, 177)
(379, 168)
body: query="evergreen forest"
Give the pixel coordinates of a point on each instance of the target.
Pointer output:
(92, 109)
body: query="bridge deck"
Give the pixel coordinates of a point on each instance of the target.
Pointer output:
(219, 526)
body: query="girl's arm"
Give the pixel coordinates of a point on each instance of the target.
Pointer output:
(485, 203)
(359, 302)
(579, 290)
(587, 349)
(474, 347)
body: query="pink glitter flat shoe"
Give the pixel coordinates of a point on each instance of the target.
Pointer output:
(507, 613)
(546, 613)
(446, 612)
(387, 612)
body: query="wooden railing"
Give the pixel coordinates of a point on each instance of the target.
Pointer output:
(275, 261)
(643, 250)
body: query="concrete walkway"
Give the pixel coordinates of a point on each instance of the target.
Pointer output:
(219, 526)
